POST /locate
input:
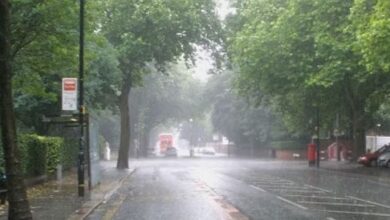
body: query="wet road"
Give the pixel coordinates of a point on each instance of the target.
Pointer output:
(244, 189)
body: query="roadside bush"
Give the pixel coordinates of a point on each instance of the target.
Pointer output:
(70, 152)
(54, 153)
(40, 155)
(33, 150)
(289, 144)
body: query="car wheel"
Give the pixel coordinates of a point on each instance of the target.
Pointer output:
(373, 163)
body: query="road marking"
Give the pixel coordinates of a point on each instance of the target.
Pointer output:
(379, 183)
(291, 203)
(274, 184)
(113, 209)
(318, 188)
(330, 218)
(318, 197)
(335, 204)
(257, 188)
(284, 187)
(374, 203)
(297, 191)
(358, 213)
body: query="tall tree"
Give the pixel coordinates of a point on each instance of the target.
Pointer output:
(155, 32)
(307, 49)
(19, 207)
(162, 99)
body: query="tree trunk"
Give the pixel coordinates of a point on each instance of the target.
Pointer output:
(145, 143)
(123, 154)
(19, 207)
(133, 147)
(359, 132)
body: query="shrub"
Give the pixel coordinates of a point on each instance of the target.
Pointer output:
(70, 152)
(40, 155)
(288, 144)
(33, 150)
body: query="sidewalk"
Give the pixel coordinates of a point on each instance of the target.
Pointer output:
(59, 199)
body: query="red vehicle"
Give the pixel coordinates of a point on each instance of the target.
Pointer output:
(166, 141)
(370, 159)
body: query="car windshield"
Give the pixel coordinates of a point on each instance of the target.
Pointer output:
(195, 109)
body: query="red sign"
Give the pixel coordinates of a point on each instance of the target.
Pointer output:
(69, 94)
(69, 85)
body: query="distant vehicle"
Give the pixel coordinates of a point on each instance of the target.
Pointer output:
(171, 152)
(384, 160)
(370, 159)
(165, 142)
(208, 151)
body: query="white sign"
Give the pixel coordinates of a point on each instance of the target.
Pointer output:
(69, 94)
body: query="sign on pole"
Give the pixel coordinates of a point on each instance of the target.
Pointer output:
(69, 94)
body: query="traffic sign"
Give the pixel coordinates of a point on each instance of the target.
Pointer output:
(69, 94)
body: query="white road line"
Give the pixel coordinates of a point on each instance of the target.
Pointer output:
(358, 213)
(335, 204)
(283, 187)
(374, 203)
(318, 197)
(330, 218)
(379, 183)
(275, 182)
(276, 185)
(296, 191)
(257, 188)
(321, 189)
(291, 203)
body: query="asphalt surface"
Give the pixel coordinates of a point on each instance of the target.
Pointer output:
(246, 189)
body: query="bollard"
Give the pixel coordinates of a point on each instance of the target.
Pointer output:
(59, 172)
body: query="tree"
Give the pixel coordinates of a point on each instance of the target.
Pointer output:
(305, 50)
(234, 116)
(155, 32)
(163, 99)
(19, 207)
(370, 21)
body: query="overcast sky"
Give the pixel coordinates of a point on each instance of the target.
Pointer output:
(204, 62)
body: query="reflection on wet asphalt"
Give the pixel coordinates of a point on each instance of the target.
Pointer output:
(244, 189)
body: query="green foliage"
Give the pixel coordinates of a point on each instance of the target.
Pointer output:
(40, 155)
(158, 32)
(33, 150)
(313, 54)
(69, 153)
(291, 144)
(165, 98)
(45, 42)
(234, 117)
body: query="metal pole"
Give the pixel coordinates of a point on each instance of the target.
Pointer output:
(337, 137)
(80, 167)
(318, 137)
(88, 150)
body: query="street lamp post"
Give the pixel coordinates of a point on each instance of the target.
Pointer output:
(378, 126)
(318, 136)
(191, 141)
(80, 167)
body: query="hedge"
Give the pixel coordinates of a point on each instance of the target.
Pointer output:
(289, 144)
(40, 155)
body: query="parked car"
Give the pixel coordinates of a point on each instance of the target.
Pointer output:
(370, 158)
(171, 152)
(208, 151)
(384, 160)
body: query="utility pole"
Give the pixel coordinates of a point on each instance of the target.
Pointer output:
(336, 133)
(318, 136)
(80, 167)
